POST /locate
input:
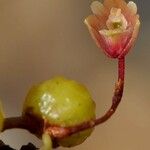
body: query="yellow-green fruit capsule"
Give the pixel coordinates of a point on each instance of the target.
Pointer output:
(1, 117)
(64, 103)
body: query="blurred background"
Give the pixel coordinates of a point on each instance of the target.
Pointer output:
(40, 39)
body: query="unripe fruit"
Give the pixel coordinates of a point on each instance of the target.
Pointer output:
(1, 116)
(63, 103)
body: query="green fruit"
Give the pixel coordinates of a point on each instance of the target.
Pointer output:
(1, 116)
(62, 102)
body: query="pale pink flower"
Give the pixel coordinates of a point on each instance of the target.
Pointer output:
(114, 26)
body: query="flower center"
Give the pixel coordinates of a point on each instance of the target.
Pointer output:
(116, 19)
(116, 22)
(116, 25)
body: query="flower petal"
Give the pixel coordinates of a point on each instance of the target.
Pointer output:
(96, 36)
(95, 22)
(132, 40)
(97, 8)
(115, 3)
(132, 6)
(99, 11)
(116, 42)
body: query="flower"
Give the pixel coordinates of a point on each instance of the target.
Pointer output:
(114, 26)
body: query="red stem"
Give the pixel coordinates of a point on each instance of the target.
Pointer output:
(117, 94)
(121, 68)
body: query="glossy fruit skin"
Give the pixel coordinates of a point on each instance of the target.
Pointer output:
(62, 102)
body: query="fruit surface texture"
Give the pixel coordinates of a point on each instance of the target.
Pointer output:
(64, 103)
